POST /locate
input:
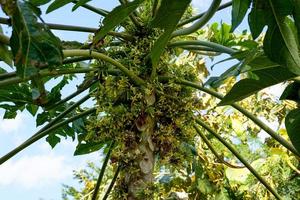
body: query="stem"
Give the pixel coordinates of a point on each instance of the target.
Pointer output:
(66, 61)
(216, 47)
(210, 146)
(258, 122)
(239, 156)
(63, 27)
(44, 132)
(225, 5)
(198, 48)
(16, 80)
(77, 52)
(111, 185)
(46, 129)
(7, 75)
(93, 9)
(201, 22)
(85, 53)
(206, 53)
(94, 197)
(124, 36)
(57, 26)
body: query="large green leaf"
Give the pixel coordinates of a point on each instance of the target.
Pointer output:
(292, 92)
(15, 98)
(57, 4)
(292, 124)
(259, 17)
(5, 54)
(33, 45)
(281, 42)
(261, 62)
(86, 148)
(167, 18)
(250, 61)
(296, 15)
(39, 2)
(115, 17)
(239, 10)
(264, 78)
(53, 140)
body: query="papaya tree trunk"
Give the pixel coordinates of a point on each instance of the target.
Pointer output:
(139, 182)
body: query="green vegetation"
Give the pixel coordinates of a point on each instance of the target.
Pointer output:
(161, 120)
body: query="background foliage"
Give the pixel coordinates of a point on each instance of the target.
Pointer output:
(159, 117)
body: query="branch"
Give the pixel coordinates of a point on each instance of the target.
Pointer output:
(93, 9)
(94, 197)
(63, 27)
(292, 166)
(84, 53)
(258, 122)
(225, 5)
(216, 47)
(77, 52)
(210, 146)
(45, 73)
(111, 185)
(201, 22)
(46, 130)
(66, 61)
(198, 48)
(239, 156)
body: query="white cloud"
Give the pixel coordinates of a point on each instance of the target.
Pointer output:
(12, 125)
(35, 171)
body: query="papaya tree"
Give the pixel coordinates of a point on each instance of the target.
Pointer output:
(146, 81)
(209, 170)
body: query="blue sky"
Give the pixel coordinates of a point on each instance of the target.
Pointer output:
(39, 172)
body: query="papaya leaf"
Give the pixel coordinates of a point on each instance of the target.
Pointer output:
(261, 62)
(15, 98)
(53, 140)
(86, 148)
(115, 17)
(5, 53)
(259, 17)
(39, 2)
(57, 4)
(281, 41)
(291, 92)
(167, 18)
(33, 45)
(292, 124)
(32, 109)
(80, 3)
(239, 10)
(296, 15)
(250, 61)
(265, 78)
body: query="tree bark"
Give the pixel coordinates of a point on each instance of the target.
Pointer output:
(139, 182)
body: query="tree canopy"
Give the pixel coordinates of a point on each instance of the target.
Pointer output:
(163, 122)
